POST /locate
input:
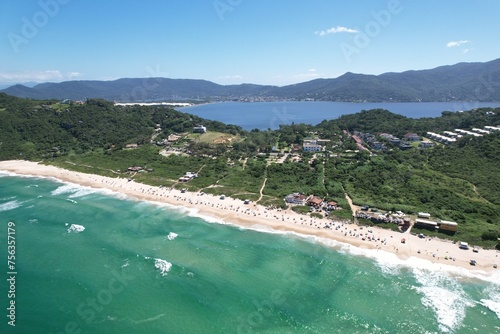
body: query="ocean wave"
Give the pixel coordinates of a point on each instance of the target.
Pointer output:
(11, 205)
(163, 266)
(75, 228)
(74, 189)
(126, 264)
(209, 219)
(388, 262)
(7, 198)
(445, 296)
(136, 322)
(492, 305)
(493, 300)
(171, 236)
(4, 173)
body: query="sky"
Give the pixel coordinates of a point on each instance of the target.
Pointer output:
(275, 42)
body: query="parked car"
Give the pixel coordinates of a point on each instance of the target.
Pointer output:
(463, 245)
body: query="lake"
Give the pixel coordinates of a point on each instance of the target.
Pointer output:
(264, 115)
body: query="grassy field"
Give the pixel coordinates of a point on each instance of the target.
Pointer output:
(212, 137)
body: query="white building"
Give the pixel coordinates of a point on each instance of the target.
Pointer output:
(199, 129)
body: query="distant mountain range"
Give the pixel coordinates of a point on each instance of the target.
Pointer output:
(459, 82)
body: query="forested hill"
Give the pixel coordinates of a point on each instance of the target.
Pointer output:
(33, 129)
(381, 120)
(459, 82)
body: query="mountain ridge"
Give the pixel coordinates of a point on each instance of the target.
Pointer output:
(459, 82)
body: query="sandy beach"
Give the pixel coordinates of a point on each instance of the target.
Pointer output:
(440, 252)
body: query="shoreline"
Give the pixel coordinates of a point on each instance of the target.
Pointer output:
(443, 254)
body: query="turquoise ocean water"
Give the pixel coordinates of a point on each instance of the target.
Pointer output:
(140, 267)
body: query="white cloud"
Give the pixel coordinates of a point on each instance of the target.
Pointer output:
(230, 77)
(335, 30)
(456, 43)
(37, 76)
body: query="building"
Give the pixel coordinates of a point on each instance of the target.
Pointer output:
(412, 137)
(424, 223)
(199, 129)
(376, 145)
(448, 226)
(492, 128)
(332, 205)
(295, 198)
(312, 148)
(312, 145)
(188, 176)
(314, 201)
(135, 169)
(395, 141)
(426, 144)
(424, 215)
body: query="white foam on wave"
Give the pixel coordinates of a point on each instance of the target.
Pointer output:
(493, 300)
(11, 205)
(388, 262)
(190, 212)
(74, 190)
(171, 236)
(126, 264)
(445, 296)
(163, 266)
(4, 173)
(75, 228)
(492, 305)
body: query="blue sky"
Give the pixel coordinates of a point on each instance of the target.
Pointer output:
(274, 42)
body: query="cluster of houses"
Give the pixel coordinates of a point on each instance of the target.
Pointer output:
(68, 101)
(449, 137)
(422, 221)
(376, 144)
(315, 202)
(397, 217)
(314, 144)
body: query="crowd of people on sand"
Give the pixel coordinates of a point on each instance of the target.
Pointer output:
(343, 229)
(251, 214)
